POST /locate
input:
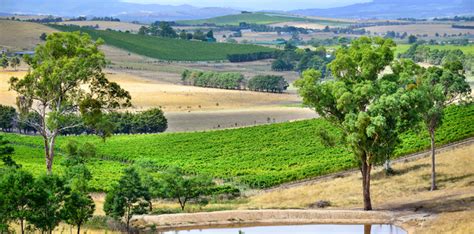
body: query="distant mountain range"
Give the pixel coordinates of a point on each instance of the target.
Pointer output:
(380, 9)
(393, 9)
(123, 10)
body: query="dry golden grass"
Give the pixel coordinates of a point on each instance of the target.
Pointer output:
(123, 26)
(15, 35)
(149, 93)
(453, 203)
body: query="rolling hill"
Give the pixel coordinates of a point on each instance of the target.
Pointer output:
(259, 18)
(167, 48)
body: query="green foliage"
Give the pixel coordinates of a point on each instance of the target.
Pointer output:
(224, 80)
(247, 57)
(78, 208)
(48, 194)
(268, 83)
(368, 107)
(150, 121)
(127, 198)
(176, 185)
(167, 48)
(4, 61)
(7, 117)
(258, 157)
(65, 75)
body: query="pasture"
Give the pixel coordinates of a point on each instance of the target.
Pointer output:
(257, 157)
(167, 48)
(261, 18)
(18, 36)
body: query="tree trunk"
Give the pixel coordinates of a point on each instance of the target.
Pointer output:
(49, 153)
(367, 228)
(433, 166)
(22, 227)
(365, 169)
(78, 229)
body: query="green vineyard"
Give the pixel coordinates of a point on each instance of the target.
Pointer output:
(258, 157)
(167, 48)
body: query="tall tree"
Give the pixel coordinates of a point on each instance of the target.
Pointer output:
(16, 187)
(47, 201)
(441, 86)
(127, 198)
(78, 205)
(66, 78)
(366, 105)
(176, 185)
(4, 61)
(15, 62)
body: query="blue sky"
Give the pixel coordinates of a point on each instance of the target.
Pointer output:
(257, 4)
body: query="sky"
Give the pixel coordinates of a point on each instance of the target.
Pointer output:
(257, 4)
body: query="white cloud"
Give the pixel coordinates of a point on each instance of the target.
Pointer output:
(257, 4)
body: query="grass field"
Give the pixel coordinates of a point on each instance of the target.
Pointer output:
(469, 49)
(258, 157)
(447, 210)
(260, 18)
(166, 48)
(18, 36)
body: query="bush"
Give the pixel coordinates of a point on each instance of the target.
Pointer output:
(225, 80)
(268, 83)
(7, 118)
(150, 121)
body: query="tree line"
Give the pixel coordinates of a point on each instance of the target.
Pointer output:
(149, 121)
(232, 80)
(237, 58)
(13, 61)
(164, 29)
(293, 58)
(421, 53)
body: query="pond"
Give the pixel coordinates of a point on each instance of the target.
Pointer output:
(300, 229)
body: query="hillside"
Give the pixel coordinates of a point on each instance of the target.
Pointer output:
(387, 9)
(17, 36)
(166, 48)
(259, 18)
(258, 157)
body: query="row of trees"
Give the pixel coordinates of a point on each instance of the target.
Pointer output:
(225, 80)
(268, 83)
(373, 109)
(164, 29)
(13, 61)
(232, 80)
(237, 58)
(149, 121)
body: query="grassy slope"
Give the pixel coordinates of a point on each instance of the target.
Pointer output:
(258, 18)
(18, 36)
(401, 48)
(166, 48)
(259, 156)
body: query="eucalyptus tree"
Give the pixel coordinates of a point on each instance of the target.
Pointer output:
(369, 104)
(65, 78)
(441, 86)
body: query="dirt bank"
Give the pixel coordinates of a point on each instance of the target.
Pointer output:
(264, 217)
